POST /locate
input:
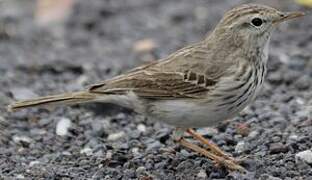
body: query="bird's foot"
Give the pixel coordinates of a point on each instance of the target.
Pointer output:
(211, 146)
(218, 160)
(219, 157)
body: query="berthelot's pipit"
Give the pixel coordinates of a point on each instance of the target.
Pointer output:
(197, 86)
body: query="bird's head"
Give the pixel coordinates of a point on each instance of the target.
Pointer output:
(252, 23)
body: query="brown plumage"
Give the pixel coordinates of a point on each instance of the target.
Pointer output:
(199, 85)
(67, 98)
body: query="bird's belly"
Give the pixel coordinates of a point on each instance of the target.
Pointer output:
(187, 114)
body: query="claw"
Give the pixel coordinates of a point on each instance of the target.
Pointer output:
(214, 148)
(215, 154)
(229, 164)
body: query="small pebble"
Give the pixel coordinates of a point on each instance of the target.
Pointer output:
(140, 170)
(62, 126)
(163, 134)
(135, 151)
(49, 13)
(87, 151)
(99, 127)
(20, 176)
(23, 93)
(202, 174)
(22, 139)
(141, 127)
(154, 146)
(293, 137)
(185, 153)
(305, 156)
(303, 83)
(240, 147)
(82, 80)
(66, 153)
(115, 136)
(32, 163)
(243, 129)
(3, 123)
(253, 134)
(276, 148)
(145, 45)
(275, 78)
(300, 101)
(209, 131)
(109, 155)
(276, 139)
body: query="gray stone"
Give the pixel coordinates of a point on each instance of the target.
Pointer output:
(208, 131)
(305, 156)
(276, 139)
(22, 93)
(116, 136)
(202, 174)
(141, 127)
(87, 151)
(240, 147)
(275, 78)
(253, 134)
(62, 126)
(154, 146)
(185, 153)
(303, 83)
(22, 139)
(293, 137)
(140, 170)
(20, 176)
(33, 163)
(276, 148)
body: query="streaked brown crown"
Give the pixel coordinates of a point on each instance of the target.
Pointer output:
(246, 9)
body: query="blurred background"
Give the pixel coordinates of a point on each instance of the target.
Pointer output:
(53, 46)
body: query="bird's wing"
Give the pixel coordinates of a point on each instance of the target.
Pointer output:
(157, 85)
(173, 77)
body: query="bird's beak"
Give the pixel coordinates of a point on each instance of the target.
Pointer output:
(287, 16)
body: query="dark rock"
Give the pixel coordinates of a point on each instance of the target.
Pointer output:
(276, 148)
(163, 135)
(303, 83)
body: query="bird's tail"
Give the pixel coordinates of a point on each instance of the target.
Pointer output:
(67, 98)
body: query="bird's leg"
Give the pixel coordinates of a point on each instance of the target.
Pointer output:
(213, 148)
(219, 160)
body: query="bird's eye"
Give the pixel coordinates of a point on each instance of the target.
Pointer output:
(257, 22)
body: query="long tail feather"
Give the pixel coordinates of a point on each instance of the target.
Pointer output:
(68, 98)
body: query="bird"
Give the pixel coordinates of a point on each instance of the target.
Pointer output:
(200, 85)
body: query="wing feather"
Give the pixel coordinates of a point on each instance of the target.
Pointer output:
(188, 73)
(156, 85)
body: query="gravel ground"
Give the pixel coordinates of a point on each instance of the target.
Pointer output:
(97, 141)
